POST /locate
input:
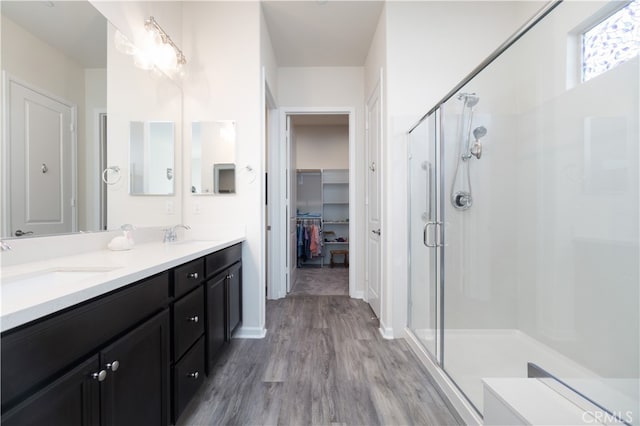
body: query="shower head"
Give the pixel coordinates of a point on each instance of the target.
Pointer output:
(470, 99)
(479, 132)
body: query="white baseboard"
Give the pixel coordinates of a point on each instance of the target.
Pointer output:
(358, 295)
(250, 333)
(386, 332)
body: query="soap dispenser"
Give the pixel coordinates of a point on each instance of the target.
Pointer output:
(124, 241)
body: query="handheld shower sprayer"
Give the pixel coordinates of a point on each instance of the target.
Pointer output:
(476, 148)
(461, 197)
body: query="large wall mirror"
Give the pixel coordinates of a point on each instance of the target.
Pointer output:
(74, 72)
(213, 156)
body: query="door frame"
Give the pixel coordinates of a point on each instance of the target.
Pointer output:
(282, 180)
(7, 78)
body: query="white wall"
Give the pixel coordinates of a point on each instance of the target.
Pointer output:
(45, 68)
(430, 47)
(222, 44)
(334, 87)
(577, 159)
(322, 147)
(138, 95)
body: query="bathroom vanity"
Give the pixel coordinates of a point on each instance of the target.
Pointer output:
(135, 353)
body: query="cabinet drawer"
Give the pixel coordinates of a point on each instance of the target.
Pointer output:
(188, 375)
(187, 277)
(188, 321)
(36, 353)
(221, 259)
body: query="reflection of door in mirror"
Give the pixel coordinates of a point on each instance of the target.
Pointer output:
(212, 143)
(42, 194)
(151, 159)
(65, 63)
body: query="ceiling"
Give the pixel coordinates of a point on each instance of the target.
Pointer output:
(311, 33)
(73, 27)
(304, 33)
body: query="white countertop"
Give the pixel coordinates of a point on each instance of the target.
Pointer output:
(34, 289)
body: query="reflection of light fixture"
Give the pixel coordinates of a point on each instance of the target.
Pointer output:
(167, 55)
(154, 49)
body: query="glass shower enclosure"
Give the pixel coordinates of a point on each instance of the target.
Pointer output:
(524, 221)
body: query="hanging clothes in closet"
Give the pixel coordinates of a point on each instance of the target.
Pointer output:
(309, 239)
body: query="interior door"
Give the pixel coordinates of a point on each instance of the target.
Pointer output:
(41, 196)
(424, 238)
(374, 232)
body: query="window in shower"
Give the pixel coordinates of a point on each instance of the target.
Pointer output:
(614, 40)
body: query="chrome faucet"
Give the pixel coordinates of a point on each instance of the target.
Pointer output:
(170, 234)
(4, 246)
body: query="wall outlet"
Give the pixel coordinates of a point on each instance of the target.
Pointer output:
(196, 207)
(169, 207)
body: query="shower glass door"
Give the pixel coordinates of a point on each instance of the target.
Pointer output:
(424, 238)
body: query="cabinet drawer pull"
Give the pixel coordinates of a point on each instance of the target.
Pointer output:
(113, 366)
(100, 376)
(193, 319)
(193, 375)
(193, 275)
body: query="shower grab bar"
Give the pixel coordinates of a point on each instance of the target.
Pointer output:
(534, 371)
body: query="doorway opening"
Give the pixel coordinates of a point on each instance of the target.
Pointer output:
(316, 175)
(319, 164)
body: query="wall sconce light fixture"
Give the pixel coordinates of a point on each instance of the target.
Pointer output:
(154, 49)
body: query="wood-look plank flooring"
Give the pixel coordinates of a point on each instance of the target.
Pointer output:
(323, 361)
(321, 282)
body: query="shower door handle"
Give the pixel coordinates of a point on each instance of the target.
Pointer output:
(425, 235)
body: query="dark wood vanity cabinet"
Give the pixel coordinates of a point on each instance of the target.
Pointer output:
(188, 324)
(224, 299)
(97, 359)
(73, 399)
(134, 356)
(216, 317)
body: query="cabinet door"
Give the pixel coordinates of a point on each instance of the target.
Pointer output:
(234, 298)
(216, 325)
(71, 400)
(135, 391)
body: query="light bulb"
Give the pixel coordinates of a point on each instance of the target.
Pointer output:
(165, 58)
(123, 44)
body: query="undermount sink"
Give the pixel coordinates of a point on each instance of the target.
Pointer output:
(40, 286)
(55, 276)
(192, 242)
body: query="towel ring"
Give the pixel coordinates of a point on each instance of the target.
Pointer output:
(111, 170)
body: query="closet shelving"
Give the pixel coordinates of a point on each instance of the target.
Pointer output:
(323, 194)
(335, 210)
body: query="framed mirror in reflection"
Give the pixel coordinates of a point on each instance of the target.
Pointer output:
(213, 156)
(55, 98)
(151, 158)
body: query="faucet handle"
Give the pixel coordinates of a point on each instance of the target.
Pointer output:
(4, 246)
